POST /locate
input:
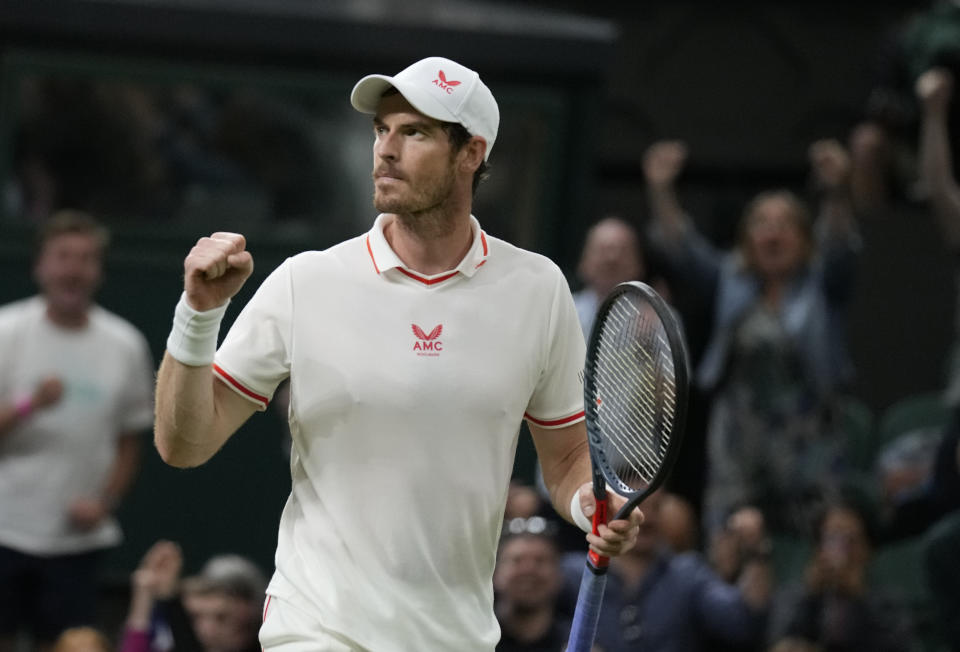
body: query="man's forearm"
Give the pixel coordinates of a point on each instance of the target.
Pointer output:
(565, 490)
(184, 428)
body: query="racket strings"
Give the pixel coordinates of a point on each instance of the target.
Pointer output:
(635, 391)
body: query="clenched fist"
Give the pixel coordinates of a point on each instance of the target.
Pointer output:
(830, 163)
(934, 88)
(215, 270)
(663, 162)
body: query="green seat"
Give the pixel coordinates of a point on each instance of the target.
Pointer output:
(897, 569)
(857, 423)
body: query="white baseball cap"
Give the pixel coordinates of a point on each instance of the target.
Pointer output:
(441, 89)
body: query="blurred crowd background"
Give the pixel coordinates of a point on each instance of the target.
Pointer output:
(169, 119)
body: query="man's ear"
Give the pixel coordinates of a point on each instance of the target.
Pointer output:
(473, 152)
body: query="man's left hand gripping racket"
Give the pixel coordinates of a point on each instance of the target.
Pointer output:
(635, 398)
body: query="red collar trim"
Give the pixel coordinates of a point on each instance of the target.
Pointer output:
(427, 281)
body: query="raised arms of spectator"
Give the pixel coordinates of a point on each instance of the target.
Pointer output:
(837, 235)
(830, 167)
(934, 89)
(155, 587)
(671, 230)
(662, 164)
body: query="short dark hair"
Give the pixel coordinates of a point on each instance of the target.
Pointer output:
(459, 137)
(69, 221)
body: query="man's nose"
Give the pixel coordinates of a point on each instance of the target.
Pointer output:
(386, 147)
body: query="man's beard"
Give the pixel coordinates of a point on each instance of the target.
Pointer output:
(425, 213)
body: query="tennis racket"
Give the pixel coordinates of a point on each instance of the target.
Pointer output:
(635, 399)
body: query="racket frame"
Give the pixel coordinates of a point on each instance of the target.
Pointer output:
(603, 473)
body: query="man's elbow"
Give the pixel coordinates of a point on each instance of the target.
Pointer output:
(179, 455)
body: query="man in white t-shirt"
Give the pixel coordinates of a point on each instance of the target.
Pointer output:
(414, 352)
(76, 387)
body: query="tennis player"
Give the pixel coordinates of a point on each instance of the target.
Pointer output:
(414, 352)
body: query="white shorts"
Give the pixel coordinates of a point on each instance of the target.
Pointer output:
(289, 628)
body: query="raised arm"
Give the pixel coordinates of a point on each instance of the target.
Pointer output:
(830, 167)
(195, 413)
(836, 231)
(662, 164)
(934, 89)
(687, 254)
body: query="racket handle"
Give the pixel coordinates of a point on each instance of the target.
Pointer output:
(583, 630)
(599, 516)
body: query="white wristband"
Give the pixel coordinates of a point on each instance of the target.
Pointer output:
(193, 338)
(576, 513)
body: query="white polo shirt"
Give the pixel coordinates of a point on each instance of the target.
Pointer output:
(406, 398)
(65, 451)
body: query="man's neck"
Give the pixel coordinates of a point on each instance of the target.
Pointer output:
(429, 246)
(67, 320)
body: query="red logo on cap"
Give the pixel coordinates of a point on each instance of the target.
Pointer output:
(442, 82)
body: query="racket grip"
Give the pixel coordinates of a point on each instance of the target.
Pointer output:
(583, 630)
(599, 516)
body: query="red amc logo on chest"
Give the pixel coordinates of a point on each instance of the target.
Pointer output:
(427, 343)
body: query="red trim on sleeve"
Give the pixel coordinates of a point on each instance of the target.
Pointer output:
(555, 422)
(372, 259)
(243, 390)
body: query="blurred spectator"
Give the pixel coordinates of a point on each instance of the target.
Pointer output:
(937, 492)
(934, 90)
(941, 501)
(743, 536)
(927, 37)
(218, 610)
(523, 501)
(678, 523)
(905, 469)
(777, 357)
(154, 584)
(82, 639)
(836, 607)
(225, 604)
(611, 255)
(76, 387)
(527, 582)
(658, 600)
